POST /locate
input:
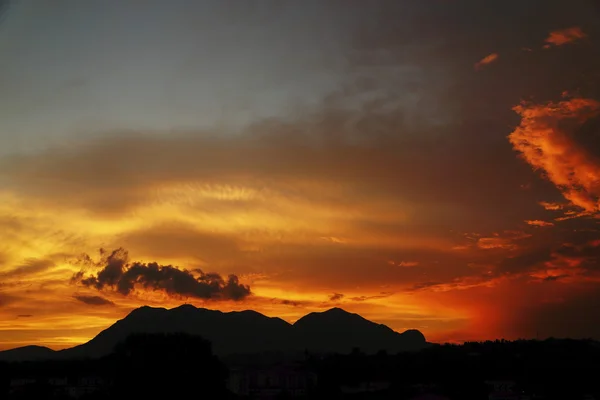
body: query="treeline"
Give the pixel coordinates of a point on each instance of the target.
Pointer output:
(145, 365)
(553, 368)
(175, 365)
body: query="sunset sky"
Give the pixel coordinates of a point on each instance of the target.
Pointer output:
(427, 164)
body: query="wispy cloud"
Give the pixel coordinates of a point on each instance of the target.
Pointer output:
(381, 295)
(93, 300)
(507, 240)
(551, 206)
(486, 61)
(406, 264)
(540, 223)
(29, 267)
(336, 297)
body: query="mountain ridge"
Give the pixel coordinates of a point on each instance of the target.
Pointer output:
(240, 332)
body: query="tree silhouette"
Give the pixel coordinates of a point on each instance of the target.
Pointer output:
(168, 366)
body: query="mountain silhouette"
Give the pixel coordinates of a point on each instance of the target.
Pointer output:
(339, 331)
(241, 332)
(27, 353)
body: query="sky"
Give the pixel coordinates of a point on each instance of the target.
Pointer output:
(430, 165)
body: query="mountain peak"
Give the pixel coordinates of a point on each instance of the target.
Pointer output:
(336, 310)
(334, 315)
(185, 306)
(145, 310)
(414, 334)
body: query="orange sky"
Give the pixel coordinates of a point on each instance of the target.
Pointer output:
(475, 216)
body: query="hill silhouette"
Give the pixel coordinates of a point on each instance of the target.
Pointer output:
(28, 353)
(339, 331)
(241, 332)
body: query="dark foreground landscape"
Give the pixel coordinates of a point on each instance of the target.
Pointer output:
(196, 353)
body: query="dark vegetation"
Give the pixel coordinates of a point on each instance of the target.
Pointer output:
(179, 366)
(143, 366)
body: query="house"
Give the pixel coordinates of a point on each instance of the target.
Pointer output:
(24, 386)
(18, 384)
(429, 396)
(58, 381)
(503, 389)
(270, 381)
(85, 385)
(365, 387)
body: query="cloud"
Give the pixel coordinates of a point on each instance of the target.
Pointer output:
(264, 168)
(545, 140)
(564, 36)
(381, 295)
(118, 274)
(486, 61)
(24, 316)
(551, 206)
(507, 240)
(168, 240)
(552, 278)
(406, 264)
(29, 267)
(287, 302)
(537, 222)
(565, 254)
(93, 300)
(6, 299)
(336, 297)
(459, 283)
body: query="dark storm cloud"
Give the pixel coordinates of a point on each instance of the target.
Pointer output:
(118, 274)
(93, 300)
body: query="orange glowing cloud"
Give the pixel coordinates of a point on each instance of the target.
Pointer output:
(506, 241)
(537, 222)
(406, 264)
(551, 206)
(486, 61)
(544, 139)
(564, 36)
